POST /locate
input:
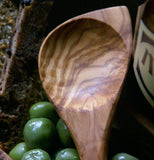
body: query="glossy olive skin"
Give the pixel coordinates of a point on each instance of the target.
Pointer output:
(36, 154)
(18, 151)
(39, 133)
(124, 156)
(64, 134)
(67, 154)
(43, 110)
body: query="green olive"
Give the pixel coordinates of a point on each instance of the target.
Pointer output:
(39, 133)
(64, 134)
(43, 110)
(67, 154)
(36, 154)
(124, 156)
(18, 151)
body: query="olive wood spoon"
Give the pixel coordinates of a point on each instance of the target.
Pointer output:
(4, 156)
(82, 65)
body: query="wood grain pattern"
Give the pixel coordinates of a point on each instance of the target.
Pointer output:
(82, 65)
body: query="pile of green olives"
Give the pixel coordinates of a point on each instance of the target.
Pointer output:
(46, 137)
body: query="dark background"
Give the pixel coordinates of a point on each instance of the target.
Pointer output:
(63, 10)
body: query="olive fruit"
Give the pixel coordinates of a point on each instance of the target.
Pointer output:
(64, 134)
(18, 151)
(39, 133)
(43, 110)
(67, 154)
(124, 156)
(36, 154)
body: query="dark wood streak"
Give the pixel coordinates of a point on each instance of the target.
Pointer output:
(98, 81)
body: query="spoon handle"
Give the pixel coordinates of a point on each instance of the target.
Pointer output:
(90, 130)
(4, 156)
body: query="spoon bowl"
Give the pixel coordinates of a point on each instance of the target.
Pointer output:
(82, 65)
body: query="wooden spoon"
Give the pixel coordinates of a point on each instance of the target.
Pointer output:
(4, 156)
(82, 65)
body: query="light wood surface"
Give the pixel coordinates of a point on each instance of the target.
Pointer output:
(4, 156)
(82, 65)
